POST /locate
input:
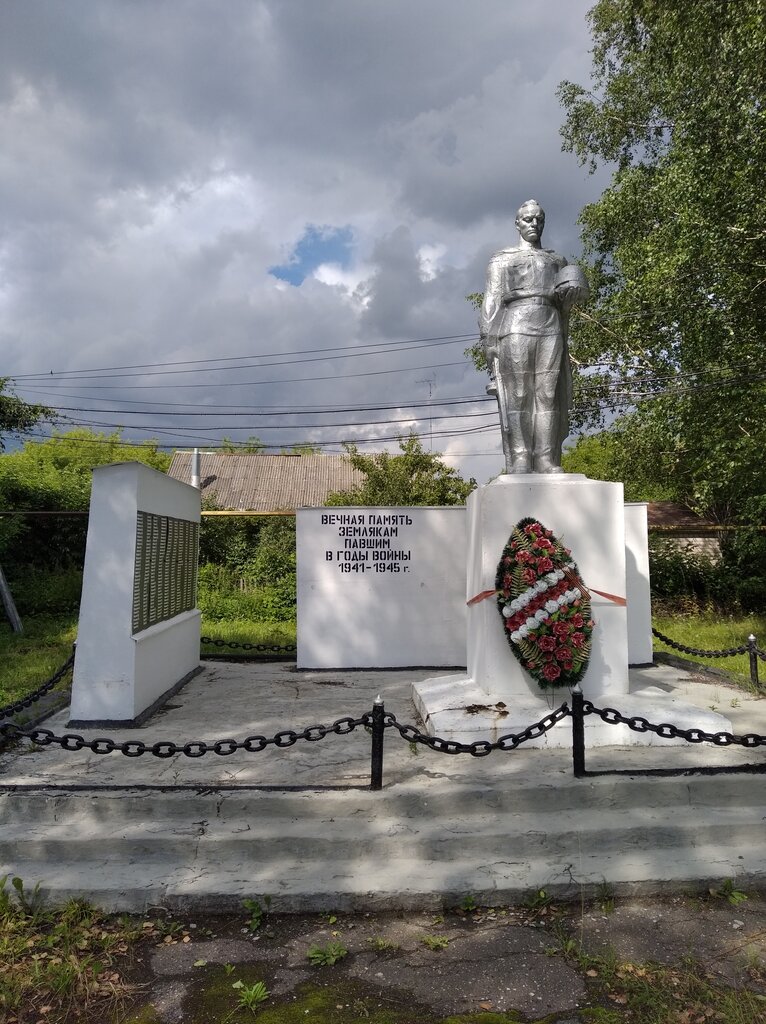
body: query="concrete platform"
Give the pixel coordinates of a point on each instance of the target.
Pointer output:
(301, 825)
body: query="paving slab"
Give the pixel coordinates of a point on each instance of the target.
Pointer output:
(501, 960)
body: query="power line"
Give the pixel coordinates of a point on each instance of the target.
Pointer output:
(277, 411)
(302, 443)
(382, 347)
(265, 383)
(302, 426)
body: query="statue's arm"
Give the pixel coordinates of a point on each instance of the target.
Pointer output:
(491, 308)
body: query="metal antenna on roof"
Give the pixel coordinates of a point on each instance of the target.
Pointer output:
(195, 468)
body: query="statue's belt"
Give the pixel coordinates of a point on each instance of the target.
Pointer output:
(531, 300)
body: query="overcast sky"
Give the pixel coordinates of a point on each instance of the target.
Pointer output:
(278, 181)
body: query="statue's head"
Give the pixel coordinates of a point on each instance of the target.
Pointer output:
(530, 221)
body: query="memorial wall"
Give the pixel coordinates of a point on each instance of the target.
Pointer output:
(381, 587)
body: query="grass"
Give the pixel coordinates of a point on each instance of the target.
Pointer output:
(28, 659)
(686, 993)
(56, 962)
(715, 631)
(73, 964)
(247, 631)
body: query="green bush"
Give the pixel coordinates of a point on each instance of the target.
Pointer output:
(223, 594)
(676, 570)
(744, 553)
(247, 568)
(42, 591)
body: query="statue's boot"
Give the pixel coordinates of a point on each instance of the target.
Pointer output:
(546, 429)
(520, 442)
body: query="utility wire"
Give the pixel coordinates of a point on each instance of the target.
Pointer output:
(302, 443)
(282, 411)
(266, 383)
(447, 338)
(302, 426)
(347, 353)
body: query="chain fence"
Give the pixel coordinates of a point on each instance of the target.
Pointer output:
(31, 698)
(245, 646)
(750, 648)
(581, 708)
(377, 721)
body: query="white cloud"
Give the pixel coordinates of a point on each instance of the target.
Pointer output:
(164, 156)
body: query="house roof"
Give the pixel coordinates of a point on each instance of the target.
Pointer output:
(267, 483)
(281, 483)
(673, 517)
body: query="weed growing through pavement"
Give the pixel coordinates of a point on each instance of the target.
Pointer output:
(435, 942)
(538, 903)
(567, 944)
(257, 912)
(322, 956)
(605, 896)
(29, 902)
(251, 996)
(381, 945)
(728, 891)
(468, 903)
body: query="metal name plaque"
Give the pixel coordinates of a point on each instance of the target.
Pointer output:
(165, 580)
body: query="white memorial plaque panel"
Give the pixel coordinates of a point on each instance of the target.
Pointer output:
(381, 587)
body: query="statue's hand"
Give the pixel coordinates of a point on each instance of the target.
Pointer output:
(568, 295)
(491, 350)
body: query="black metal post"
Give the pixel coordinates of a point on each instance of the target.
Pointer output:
(578, 732)
(378, 732)
(751, 645)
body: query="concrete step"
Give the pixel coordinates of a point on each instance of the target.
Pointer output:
(440, 798)
(230, 840)
(300, 884)
(415, 844)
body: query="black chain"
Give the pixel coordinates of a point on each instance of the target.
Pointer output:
(727, 653)
(31, 698)
(668, 732)
(247, 646)
(192, 748)
(481, 748)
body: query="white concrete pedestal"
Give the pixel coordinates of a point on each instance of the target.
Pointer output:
(121, 675)
(497, 696)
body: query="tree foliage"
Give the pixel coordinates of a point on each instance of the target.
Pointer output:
(416, 477)
(676, 245)
(55, 475)
(17, 417)
(623, 453)
(248, 561)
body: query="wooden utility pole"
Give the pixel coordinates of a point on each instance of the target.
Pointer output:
(8, 604)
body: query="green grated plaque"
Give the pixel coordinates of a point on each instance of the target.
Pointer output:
(165, 578)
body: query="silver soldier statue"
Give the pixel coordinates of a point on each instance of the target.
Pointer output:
(523, 326)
